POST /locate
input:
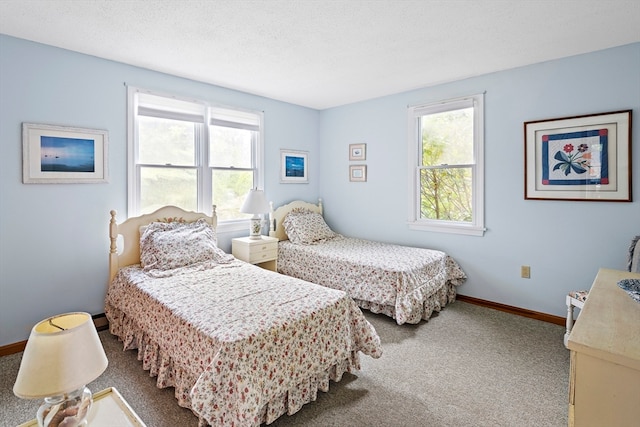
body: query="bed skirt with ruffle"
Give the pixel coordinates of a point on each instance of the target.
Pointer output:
(414, 308)
(170, 373)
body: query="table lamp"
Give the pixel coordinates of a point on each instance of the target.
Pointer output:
(63, 354)
(255, 204)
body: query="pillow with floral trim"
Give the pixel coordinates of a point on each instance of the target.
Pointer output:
(169, 245)
(173, 221)
(306, 228)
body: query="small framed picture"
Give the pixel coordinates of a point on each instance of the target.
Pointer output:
(358, 173)
(357, 151)
(293, 167)
(63, 155)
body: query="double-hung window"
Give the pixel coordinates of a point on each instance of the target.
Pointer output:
(446, 172)
(192, 155)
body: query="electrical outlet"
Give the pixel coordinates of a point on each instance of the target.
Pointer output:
(525, 272)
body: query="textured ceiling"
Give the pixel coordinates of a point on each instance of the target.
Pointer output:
(324, 53)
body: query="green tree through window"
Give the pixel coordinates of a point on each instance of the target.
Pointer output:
(445, 183)
(446, 152)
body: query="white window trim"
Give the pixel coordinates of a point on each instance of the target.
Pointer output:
(476, 227)
(133, 185)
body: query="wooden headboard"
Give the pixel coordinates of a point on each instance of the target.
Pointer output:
(130, 232)
(277, 216)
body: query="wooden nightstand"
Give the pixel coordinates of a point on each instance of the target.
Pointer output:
(108, 409)
(262, 252)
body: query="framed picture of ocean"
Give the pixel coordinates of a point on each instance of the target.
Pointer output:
(294, 167)
(61, 154)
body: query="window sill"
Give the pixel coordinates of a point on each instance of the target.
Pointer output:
(450, 228)
(232, 226)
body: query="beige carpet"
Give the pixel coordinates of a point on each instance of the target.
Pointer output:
(467, 366)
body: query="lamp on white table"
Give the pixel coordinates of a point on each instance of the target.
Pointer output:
(255, 204)
(63, 355)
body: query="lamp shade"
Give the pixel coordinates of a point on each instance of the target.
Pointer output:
(255, 203)
(63, 354)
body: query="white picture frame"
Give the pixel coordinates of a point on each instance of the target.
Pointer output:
(64, 155)
(294, 167)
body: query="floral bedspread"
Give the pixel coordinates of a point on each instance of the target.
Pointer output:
(241, 345)
(405, 283)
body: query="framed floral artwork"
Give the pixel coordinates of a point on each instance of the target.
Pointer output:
(584, 158)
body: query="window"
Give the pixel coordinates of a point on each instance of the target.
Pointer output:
(446, 166)
(193, 155)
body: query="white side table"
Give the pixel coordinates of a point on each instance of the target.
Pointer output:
(261, 252)
(109, 409)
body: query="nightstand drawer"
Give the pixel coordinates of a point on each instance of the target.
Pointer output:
(263, 255)
(264, 246)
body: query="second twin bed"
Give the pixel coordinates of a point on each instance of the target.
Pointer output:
(405, 283)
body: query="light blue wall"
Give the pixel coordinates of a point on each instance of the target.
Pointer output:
(54, 238)
(564, 242)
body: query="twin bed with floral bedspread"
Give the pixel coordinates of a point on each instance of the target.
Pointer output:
(405, 283)
(241, 345)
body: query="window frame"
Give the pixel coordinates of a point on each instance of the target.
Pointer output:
(415, 222)
(202, 166)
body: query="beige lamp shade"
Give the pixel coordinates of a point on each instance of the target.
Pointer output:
(63, 354)
(255, 203)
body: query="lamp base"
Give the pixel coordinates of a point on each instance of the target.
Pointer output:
(68, 410)
(255, 228)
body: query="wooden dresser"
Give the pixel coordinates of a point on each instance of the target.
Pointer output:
(604, 387)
